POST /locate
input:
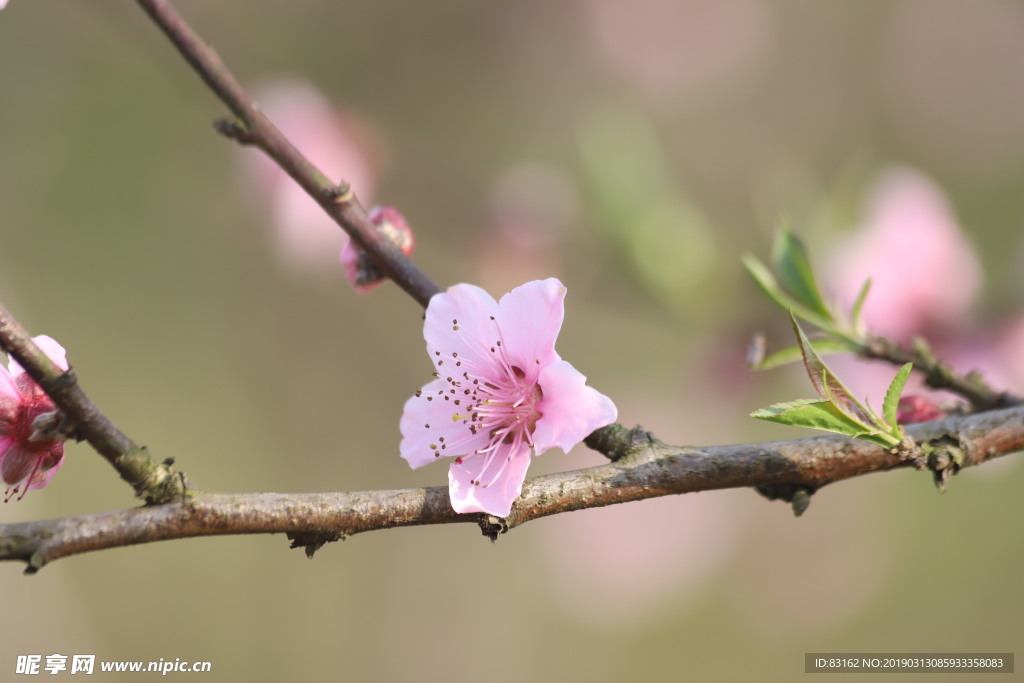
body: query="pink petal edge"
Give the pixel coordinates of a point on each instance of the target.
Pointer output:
(47, 345)
(530, 318)
(570, 409)
(495, 499)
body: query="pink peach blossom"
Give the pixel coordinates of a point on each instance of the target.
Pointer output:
(501, 392)
(27, 463)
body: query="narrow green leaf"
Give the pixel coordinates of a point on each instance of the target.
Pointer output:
(793, 266)
(827, 384)
(770, 286)
(856, 313)
(892, 396)
(811, 413)
(820, 414)
(765, 280)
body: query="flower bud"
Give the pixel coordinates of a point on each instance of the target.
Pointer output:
(361, 271)
(914, 408)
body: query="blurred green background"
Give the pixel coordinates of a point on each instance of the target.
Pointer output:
(634, 150)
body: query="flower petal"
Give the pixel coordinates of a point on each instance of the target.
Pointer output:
(16, 464)
(435, 406)
(570, 410)
(48, 346)
(51, 462)
(497, 491)
(530, 317)
(458, 322)
(7, 386)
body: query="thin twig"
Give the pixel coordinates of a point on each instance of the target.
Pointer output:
(972, 387)
(254, 128)
(645, 469)
(152, 481)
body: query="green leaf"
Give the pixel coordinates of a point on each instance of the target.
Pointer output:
(765, 280)
(812, 413)
(791, 354)
(856, 319)
(793, 266)
(828, 385)
(770, 286)
(892, 397)
(820, 414)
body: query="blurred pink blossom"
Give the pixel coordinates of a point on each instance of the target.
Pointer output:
(996, 353)
(307, 240)
(1009, 350)
(924, 273)
(360, 270)
(27, 462)
(502, 392)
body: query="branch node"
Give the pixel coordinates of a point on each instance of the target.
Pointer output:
(311, 541)
(797, 496)
(233, 129)
(155, 483)
(343, 193)
(945, 458)
(35, 563)
(616, 442)
(492, 526)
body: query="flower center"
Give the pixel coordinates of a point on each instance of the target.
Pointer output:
(492, 396)
(508, 410)
(18, 414)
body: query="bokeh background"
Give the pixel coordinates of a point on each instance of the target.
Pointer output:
(635, 150)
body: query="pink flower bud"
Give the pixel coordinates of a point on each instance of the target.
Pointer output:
(361, 271)
(914, 408)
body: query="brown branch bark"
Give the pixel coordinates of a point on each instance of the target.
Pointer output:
(645, 468)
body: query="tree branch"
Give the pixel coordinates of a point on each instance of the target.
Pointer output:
(254, 128)
(645, 468)
(152, 481)
(972, 386)
(642, 467)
